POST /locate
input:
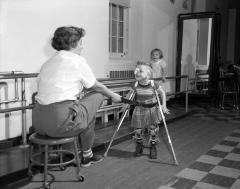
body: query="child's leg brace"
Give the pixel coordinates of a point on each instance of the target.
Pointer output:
(138, 135)
(153, 132)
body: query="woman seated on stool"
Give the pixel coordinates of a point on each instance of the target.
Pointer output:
(58, 112)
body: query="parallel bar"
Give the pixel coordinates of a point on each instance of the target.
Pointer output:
(111, 83)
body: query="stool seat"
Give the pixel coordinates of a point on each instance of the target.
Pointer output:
(44, 139)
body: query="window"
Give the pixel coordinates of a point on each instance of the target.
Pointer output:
(118, 30)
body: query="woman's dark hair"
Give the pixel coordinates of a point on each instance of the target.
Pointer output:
(159, 52)
(66, 38)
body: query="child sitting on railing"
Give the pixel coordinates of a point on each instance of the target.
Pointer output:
(146, 115)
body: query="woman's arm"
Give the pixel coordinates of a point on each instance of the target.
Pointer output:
(99, 87)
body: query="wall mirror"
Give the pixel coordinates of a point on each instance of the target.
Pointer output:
(197, 52)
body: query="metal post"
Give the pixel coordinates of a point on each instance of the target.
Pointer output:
(186, 95)
(24, 116)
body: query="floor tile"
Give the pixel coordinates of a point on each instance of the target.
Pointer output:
(209, 159)
(229, 143)
(235, 134)
(236, 150)
(236, 131)
(172, 181)
(216, 153)
(234, 120)
(232, 138)
(230, 164)
(206, 118)
(223, 148)
(192, 174)
(226, 171)
(236, 184)
(218, 180)
(220, 119)
(165, 187)
(183, 183)
(202, 185)
(202, 166)
(233, 156)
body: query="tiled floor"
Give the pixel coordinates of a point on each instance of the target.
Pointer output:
(219, 168)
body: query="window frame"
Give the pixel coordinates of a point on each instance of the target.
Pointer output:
(125, 37)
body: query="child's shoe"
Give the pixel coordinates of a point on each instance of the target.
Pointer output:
(139, 149)
(153, 151)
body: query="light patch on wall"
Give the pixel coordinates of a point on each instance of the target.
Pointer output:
(185, 4)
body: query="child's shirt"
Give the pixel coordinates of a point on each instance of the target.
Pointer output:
(145, 93)
(158, 68)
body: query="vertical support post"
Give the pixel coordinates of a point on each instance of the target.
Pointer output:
(186, 95)
(16, 89)
(24, 117)
(4, 85)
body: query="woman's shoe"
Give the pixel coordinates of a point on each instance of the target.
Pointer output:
(87, 161)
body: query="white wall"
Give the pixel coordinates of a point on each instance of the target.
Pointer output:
(26, 27)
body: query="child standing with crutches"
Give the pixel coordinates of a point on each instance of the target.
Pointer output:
(146, 115)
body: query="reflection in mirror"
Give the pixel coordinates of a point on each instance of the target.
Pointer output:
(197, 51)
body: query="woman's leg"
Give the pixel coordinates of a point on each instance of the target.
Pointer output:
(91, 103)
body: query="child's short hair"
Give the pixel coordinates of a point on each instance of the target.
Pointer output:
(141, 62)
(147, 65)
(159, 51)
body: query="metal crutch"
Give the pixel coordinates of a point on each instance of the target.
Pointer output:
(165, 126)
(119, 124)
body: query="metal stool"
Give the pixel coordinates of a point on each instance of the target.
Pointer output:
(50, 141)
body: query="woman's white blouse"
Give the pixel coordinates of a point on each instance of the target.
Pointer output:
(63, 77)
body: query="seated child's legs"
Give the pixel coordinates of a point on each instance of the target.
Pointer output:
(138, 136)
(153, 132)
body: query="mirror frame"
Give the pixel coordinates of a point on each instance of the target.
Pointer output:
(214, 48)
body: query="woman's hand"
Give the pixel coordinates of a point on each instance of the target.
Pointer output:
(99, 87)
(165, 110)
(116, 97)
(124, 107)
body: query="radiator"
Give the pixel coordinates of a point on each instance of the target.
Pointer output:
(122, 74)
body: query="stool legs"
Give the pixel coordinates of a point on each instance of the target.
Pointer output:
(45, 183)
(30, 174)
(79, 177)
(33, 157)
(62, 168)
